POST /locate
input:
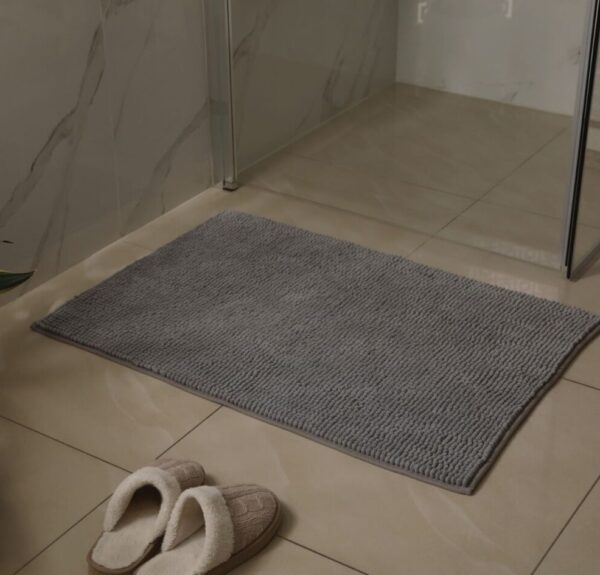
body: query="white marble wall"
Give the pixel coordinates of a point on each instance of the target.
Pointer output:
(298, 63)
(526, 52)
(105, 123)
(157, 69)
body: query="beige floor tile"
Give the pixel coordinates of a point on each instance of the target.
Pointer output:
(377, 195)
(586, 368)
(511, 273)
(515, 233)
(67, 556)
(541, 184)
(577, 551)
(46, 488)
(94, 404)
(283, 557)
(435, 139)
(377, 520)
(521, 276)
(304, 214)
(349, 120)
(589, 204)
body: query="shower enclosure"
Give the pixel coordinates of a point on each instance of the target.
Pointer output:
(471, 121)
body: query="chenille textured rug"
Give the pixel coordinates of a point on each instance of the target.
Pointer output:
(414, 369)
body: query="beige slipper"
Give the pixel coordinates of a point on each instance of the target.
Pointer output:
(138, 513)
(212, 530)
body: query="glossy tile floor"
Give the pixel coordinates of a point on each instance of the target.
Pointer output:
(481, 173)
(73, 424)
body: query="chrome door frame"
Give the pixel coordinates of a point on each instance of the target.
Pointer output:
(221, 78)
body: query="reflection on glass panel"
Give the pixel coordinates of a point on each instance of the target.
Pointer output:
(449, 118)
(588, 222)
(299, 63)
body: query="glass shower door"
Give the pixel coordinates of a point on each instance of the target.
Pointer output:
(582, 242)
(452, 119)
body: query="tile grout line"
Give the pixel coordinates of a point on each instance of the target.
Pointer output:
(321, 205)
(487, 193)
(45, 548)
(61, 535)
(428, 237)
(429, 188)
(263, 189)
(488, 252)
(402, 181)
(189, 431)
(522, 210)
(581, 383)
(513, 172)
(564, 527)
(412, 252)
(530, 212)
(65, 444)
(437, 234)
(322, 555)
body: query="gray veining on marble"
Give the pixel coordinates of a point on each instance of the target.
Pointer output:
(58, 200)
(105, 124)
(297, 64)
(156, 66)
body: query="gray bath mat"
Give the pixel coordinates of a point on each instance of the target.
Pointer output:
(412, 368)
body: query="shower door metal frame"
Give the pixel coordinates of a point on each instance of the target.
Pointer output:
(582, 120)
(221, 82)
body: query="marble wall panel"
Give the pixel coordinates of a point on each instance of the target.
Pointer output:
(105, 123)
(157, 72)
(58, 195)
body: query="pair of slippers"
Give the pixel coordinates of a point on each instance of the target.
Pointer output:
(163, 519)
